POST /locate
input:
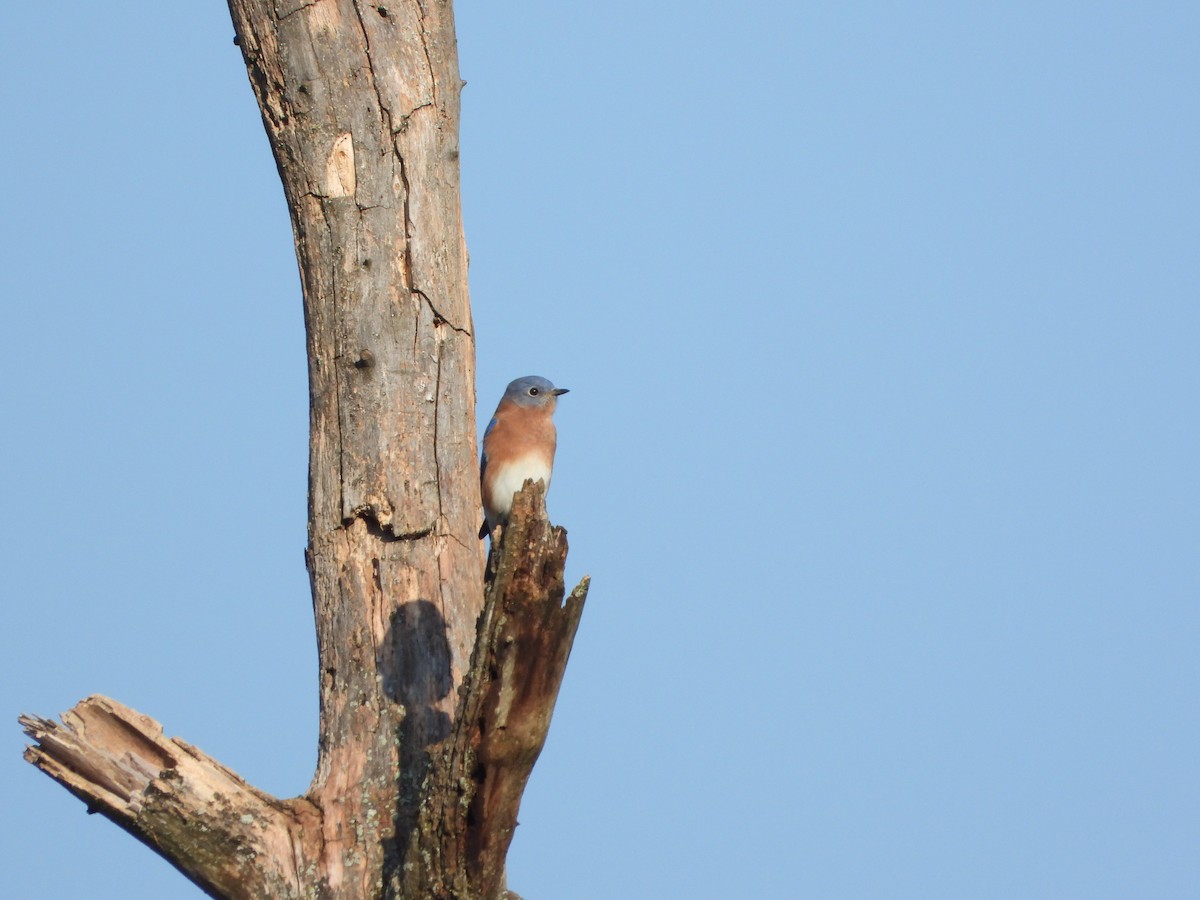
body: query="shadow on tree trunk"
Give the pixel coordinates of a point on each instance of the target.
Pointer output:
(461, 783)
(506, 702)
(417, 786)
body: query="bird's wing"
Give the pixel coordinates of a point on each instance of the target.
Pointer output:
(483, 529)
(483, 456)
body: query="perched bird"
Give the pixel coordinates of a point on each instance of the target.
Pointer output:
(517, 444)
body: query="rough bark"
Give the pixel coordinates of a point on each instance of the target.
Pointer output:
(237, 842)
(417, 783)
(361, 105)
(525, 638)
(230, 839)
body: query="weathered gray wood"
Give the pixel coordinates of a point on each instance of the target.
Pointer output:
(424, 749)
(361, 104)
(230, 839)
(525, 638)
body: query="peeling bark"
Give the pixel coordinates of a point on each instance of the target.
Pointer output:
(425, 744)
(525, 637)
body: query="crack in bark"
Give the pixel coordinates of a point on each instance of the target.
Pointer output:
(403, 126)
(290, 13)
(433, 81)
(385, 111)
(438, 317)
(368, 515)
(437, 469)
(452, 536)
(406, 262)
(389, 123)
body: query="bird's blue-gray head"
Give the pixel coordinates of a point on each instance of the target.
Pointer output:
(532, 390)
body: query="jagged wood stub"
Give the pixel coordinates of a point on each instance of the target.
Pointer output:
(237, 842)
(360, 103)
(525, 636)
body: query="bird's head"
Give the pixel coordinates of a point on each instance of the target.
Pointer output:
(533, 391)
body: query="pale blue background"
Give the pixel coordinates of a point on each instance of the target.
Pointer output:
(881, 322)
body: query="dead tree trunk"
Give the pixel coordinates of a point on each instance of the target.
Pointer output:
(417, 783)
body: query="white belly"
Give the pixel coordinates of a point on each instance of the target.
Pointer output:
(511, 479)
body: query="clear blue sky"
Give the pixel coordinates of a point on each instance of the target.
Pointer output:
(881, 322)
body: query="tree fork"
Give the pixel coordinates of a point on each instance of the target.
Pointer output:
(417, 783)
(234, 841)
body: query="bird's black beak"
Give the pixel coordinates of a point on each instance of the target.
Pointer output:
(558, 391)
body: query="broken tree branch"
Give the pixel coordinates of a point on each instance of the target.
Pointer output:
(505, 705)
(230, 839)
(237, 842)
(417, 784)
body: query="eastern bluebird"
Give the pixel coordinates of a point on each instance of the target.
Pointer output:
(517, 444)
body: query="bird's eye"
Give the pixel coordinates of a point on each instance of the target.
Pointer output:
(533, 392)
